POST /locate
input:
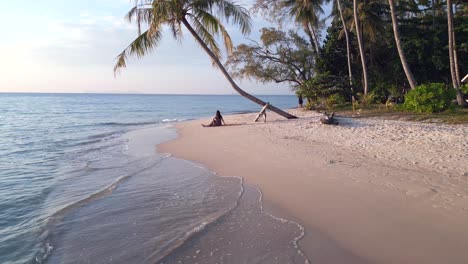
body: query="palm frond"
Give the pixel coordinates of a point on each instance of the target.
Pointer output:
(227, 10)
(141, 46)
(206, 36)
(141, 13)
(215, 27)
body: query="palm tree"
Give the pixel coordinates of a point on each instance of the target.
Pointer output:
(348, 52)
(198, 17)
(451, 46)
(360, 44)
(396, 33)
(306, 12)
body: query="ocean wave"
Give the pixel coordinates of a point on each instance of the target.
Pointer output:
(48, 236)
(283, 220)
(241, 112)
(128, 123)
(167, 120)
(97, 138)
(143, 123)
(111, 134)
(200, 226)
(205, 224)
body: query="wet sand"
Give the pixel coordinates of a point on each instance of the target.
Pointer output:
(366, 191)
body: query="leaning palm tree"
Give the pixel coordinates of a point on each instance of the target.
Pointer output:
(202, 18)
(396, 33)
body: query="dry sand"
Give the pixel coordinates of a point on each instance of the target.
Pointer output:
(367, 191)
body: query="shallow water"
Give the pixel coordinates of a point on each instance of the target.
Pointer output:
(246, 234)
(80, 181)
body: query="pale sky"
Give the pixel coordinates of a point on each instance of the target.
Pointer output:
(70, 46)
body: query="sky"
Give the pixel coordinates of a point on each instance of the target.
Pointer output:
(70, 46)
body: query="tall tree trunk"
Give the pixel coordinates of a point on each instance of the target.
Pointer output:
(433, 13)
(312, 37)
(348, 52)
(396, 33)
(460, 97)
(228, 77)
(455, 60)
(307, 30)
(361, 49)
(314, 33)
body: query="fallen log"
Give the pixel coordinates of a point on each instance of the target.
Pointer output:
(262, 113)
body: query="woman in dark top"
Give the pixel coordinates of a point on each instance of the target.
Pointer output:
(217, 120)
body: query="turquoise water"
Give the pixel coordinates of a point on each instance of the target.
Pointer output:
(67, 181)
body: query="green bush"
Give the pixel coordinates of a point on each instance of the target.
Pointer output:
(366, 99)
(429, 98)
(333, 100)
(464, 88)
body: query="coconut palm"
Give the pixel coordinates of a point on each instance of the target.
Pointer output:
(366, 19)
(360, 44)
(396, 33)
(202, 18)
(348, 48)
(306, 13)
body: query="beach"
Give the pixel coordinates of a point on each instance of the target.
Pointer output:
(81, 182)
(369, 190)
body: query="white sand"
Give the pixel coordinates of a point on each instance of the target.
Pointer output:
(440, 150)
(386, 191)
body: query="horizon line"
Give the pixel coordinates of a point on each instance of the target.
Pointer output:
(123, 93)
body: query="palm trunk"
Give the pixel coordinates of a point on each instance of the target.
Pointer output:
(361, 49)
(396, 33)
(348, 52)
(228, 77)
(433, 13)
(307, 30)
(317, 46)
(455, 60)
(312, 37)
(460, 99)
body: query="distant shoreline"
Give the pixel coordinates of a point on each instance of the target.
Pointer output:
(116, 93)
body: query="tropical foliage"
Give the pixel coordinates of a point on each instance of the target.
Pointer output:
(279, 57)
(384, 47)
(429, 98)
(371, 49)
(201, 18)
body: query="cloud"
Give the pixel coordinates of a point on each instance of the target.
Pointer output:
(77, 54)
(88, 40)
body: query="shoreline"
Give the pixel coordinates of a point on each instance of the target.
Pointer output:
(359, 199)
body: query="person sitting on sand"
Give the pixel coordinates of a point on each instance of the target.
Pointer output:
(217, 120)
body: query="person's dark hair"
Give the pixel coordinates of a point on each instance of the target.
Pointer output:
(218, 114)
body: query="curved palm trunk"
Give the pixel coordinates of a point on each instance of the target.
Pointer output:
(455, 82)
(348, 52)
(317, 46)
(361, 49)
(228, 77)
(396, 33)
(313, 41)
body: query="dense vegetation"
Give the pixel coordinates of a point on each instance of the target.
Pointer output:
(387, 51)
(398, 53)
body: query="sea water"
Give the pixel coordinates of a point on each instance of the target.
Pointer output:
(82, 182)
